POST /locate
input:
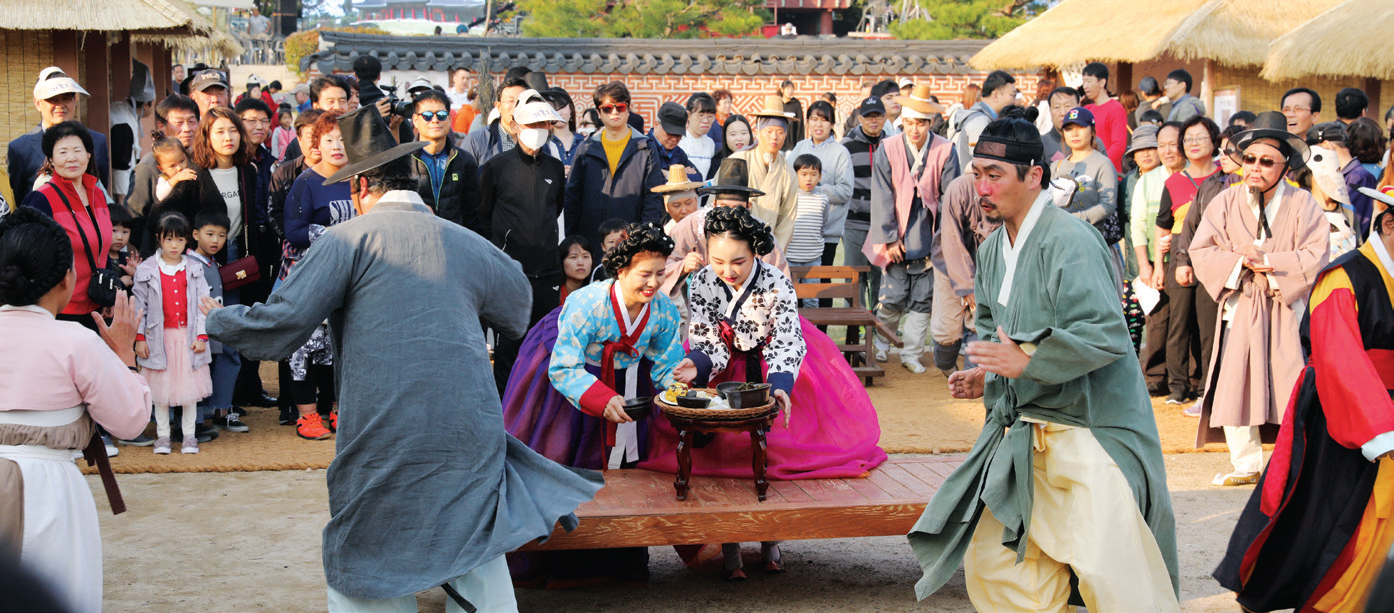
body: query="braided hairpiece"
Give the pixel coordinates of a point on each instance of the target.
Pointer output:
(643, 238)
(738, 223)
(35, 255)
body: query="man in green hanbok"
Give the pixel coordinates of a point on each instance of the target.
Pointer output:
(1067, 475)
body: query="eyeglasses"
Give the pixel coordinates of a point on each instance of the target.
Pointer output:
(1294, 109)
(611, 109)
(1266, 162)
(1197, 141)
(438, 115)
(1229, 152)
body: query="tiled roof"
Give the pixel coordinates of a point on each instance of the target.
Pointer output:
(838, 56)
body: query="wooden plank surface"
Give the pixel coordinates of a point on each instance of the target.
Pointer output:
(638, 508)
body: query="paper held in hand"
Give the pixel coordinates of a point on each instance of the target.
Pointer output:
(1147, 298)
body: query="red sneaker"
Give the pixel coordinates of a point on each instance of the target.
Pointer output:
(334, 420)
(309, 426)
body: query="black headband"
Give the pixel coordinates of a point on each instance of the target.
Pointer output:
(1009, 151)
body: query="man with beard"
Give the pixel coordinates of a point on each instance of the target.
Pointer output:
(1065, 490)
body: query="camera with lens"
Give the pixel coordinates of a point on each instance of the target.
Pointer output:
(398, 106)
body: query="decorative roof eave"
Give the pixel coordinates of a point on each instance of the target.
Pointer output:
(643, 56)
(1335, 43)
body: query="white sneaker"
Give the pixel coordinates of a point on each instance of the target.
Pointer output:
(190, 445)
(913, 366)
(881, 355)
(162, 446)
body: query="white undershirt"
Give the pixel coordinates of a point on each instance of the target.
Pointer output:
(226, 180)
(627, 434)
(1011, 249)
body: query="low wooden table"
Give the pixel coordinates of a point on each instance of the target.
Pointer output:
(756, 426)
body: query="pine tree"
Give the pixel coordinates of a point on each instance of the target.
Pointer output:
(641, 18)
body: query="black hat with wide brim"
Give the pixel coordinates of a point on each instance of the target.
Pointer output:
(368, 143)
(1272, 125)
(733, 177)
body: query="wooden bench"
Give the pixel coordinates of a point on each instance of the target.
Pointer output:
(861, 356)
(636, 508)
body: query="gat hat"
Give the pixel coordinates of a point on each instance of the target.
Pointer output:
(1081, 116)
(1331, 131)
(532, 108)
(368, 143)
(918, 104)
(774, 107)
(1144, 137)
(1272, 125)
(872, 104)
(207, 79)
(1326, 171)
(537, 80)
(673, 117)
(677, 181)
(732, 176)
(142, 86)
(558, 97)
(54, 82)
(419, 84)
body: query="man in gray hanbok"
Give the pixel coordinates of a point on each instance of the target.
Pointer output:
(427, 488)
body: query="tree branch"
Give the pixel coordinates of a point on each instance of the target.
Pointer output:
(1014, 7)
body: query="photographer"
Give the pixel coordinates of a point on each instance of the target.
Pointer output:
(368, 70)
(447, 175)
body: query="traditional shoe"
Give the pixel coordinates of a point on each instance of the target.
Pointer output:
(947, 372)
(913, 366)
(310, 427)
(735, 575)
(774, 566)
(1235, 479)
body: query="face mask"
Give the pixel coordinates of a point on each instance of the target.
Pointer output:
(585, 131)
(534, 138)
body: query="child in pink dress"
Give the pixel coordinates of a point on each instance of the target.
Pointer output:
(171, 344)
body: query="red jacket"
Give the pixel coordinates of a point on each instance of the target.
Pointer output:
(77, 223)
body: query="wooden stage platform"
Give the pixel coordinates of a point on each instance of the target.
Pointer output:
(638, 508)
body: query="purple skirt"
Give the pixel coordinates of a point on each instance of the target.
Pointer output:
(537, 414)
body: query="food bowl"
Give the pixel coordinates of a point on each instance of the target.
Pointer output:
(638, 408)
(741, 395)
(693, 402)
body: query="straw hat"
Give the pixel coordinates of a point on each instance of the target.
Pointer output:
(677, 181)
(774, 107)
(919, 101)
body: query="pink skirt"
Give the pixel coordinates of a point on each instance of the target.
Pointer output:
(179, 384)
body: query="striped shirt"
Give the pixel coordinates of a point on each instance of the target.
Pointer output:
(806, 245)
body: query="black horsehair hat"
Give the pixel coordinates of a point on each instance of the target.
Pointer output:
(368, 143)
(1272, 125)
(732, 177)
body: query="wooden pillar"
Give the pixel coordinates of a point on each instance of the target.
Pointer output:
(1123, 81)
(825, 22)
(1376, 110)
(1207, 87)
(121, 67)
(98, 83)
(160, 66)
(65, 52)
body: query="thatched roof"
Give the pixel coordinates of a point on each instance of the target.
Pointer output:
(98, 15)
(1234, 32)
(1343, 41)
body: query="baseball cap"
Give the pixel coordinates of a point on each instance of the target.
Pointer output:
(673, 117)
(871, 105)
(532, 108)
(207, 79)
(300, 89)
(256, 80)
(54, 82)
(1079, 116)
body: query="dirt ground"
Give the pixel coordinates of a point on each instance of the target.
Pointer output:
(251, 542)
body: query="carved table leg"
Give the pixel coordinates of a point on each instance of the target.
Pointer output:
(758, 462)
(684, 462)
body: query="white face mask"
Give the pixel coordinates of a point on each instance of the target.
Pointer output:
(585, 131)
(534, 138)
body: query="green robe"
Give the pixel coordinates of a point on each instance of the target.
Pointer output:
(1082, 373)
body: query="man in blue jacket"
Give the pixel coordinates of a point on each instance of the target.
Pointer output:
(55, 95)
(666, 133)
(614, 171)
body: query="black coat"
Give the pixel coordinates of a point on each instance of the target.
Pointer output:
(458, 197)
(202, 194)
(593, 196)
(520, 197)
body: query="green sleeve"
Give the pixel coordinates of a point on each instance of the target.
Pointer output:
(1090, 332)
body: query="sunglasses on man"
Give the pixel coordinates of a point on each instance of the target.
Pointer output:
(437, 115)
(1266, 162)
(614, 109)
